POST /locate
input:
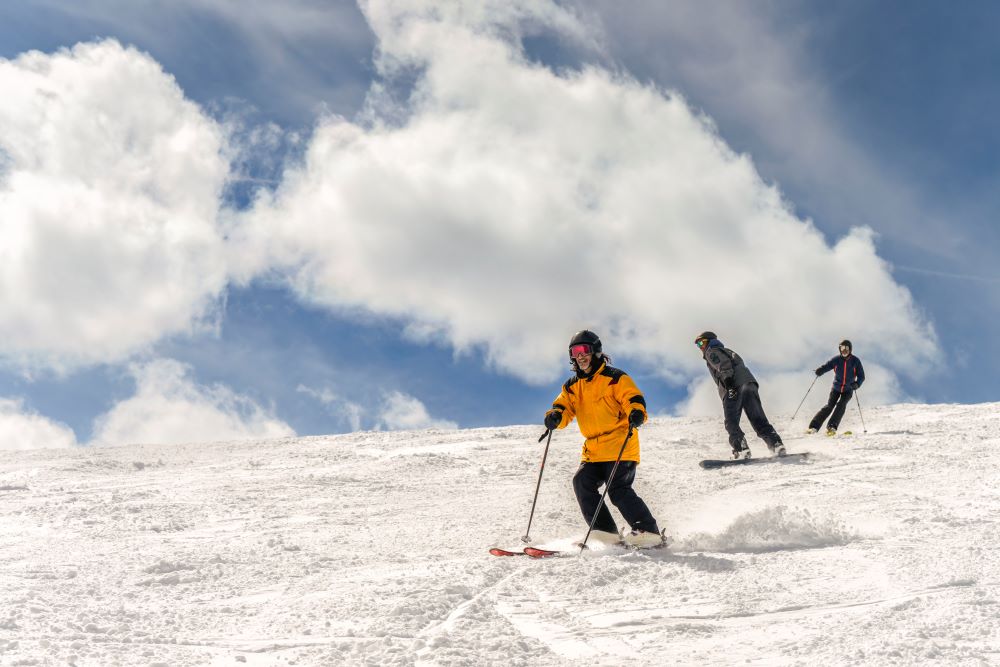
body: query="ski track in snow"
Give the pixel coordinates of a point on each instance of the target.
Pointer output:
(371, 549)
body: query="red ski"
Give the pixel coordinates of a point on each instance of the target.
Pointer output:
(497, 551)
(535, 552)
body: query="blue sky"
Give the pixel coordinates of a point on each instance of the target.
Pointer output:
(395, 215)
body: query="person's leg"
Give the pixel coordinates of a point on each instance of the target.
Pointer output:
(588, 479)
(732, 409)
(628, 502)
(824, 412)
(838, 411)
(758, 420)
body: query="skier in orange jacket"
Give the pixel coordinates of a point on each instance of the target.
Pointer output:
(607, 405)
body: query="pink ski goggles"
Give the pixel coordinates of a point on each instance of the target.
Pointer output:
(577, 350)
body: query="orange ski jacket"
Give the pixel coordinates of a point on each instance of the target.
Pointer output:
(601, 404)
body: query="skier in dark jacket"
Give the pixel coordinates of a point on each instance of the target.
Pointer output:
(608, 407)
(738, 390)
(848, 376)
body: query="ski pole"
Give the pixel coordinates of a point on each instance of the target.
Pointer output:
(859, 410)
(607, 485)
(527, 533)
(804, 397)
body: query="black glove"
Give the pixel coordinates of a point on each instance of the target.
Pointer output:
(854, 386)
(636, 418)
(819, 371)
(732, 392)
(552, 419)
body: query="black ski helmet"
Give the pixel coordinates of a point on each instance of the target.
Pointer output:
(707, 335)
(587, 337)
(850, 348)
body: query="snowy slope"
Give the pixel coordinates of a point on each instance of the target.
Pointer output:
(371, 549)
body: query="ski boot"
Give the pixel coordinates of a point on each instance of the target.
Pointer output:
(642, 539)
(778, 448)
(741, 450)
(830, 432)
(811, 430)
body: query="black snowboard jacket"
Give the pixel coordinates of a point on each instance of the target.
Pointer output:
(726, 367)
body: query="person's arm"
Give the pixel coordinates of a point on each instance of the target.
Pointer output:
(722, 365)
(562, 412)
(725, 371)
(859, 372)
(631, 400)
(828, 366)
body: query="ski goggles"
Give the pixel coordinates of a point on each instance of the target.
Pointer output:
(577, 350)
(701, 342)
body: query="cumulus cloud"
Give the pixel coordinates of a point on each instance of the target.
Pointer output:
(756, 70)
(499, 206)
(347, 411)
(169, 407)
(109, 193)
(514, 204)
(25, 429)
(404, 412)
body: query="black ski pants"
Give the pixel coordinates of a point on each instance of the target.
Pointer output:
(837, 404)
(747, 400)
(589, 478)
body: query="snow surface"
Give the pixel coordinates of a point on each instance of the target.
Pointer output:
(371, 549)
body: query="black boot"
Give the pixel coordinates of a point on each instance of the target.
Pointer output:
(741, 450)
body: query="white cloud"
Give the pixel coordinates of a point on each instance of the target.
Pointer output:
(754, 67)
(109, 196)
(23, 429)
(510, 207)
(169, 407)
(347, 411)
(403, 412)
(516, 204)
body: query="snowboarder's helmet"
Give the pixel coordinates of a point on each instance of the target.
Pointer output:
(585, 337)
(702, 340)
(846, 343)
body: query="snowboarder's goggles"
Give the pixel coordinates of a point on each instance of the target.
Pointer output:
(577, 350)
(701, 342)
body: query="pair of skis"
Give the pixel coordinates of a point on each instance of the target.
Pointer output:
(533, 552)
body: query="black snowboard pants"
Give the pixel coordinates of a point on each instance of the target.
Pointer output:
(747, 400)
(589, 478)
(837, 404)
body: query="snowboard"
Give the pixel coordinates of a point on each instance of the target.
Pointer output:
(712, 464)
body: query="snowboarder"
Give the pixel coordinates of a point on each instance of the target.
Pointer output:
(848, 376)
(738, 390)
(607, 406)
